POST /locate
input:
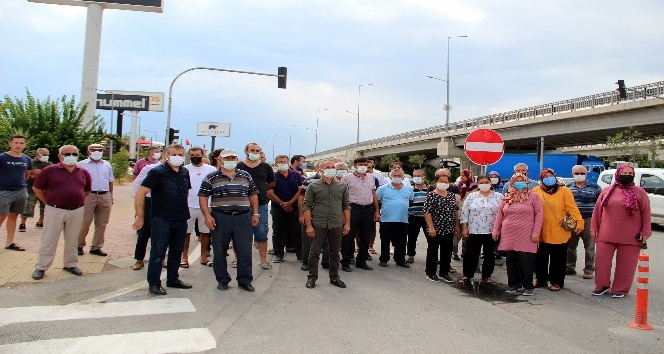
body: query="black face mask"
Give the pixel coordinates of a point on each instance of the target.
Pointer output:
(626, 179)
(196, 160)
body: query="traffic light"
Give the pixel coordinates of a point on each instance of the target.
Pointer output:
(172, 135)
(281, 78)
(621, 89)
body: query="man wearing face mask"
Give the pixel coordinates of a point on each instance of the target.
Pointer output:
(585, 195)
(98, 203)
(263, 176)
(169, 185)
(299, 163)
(40, 162)
(284, 194)
(341, 169)
(394, 199)
(416, 220)
(63, 188)
(154, 154)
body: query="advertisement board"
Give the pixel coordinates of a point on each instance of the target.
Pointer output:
(134, 5)
(214, 129)
(130, 101)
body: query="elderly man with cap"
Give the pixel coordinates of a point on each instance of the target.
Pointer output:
(98, 203)
(234, 202)
(154, 154)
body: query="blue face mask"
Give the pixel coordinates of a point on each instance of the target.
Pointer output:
(520, 185)
(549, 181)
(303, 165)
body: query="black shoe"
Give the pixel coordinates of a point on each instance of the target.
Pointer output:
(382, 264)
(98, 252)
(179, 284)
(39, 225)
(21, 228)
(278, 259)
(364, 266)
(222, 286)
(156, 289)
(455, 257)
(404, 265)
(80, 251)
(310, 284)
(248, 287)
(346, 268)
(325, 265)
(37, 274)
(304, 267)
(298, 256)
(446, 278)
(73, 270)
(338, 283)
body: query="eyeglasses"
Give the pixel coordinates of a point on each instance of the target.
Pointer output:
(579, 173)
(70, 154)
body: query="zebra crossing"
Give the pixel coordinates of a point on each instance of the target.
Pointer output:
(188, 340)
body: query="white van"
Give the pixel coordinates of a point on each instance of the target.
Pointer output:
(651, 180)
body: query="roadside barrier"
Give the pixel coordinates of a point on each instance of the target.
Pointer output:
(641, 307)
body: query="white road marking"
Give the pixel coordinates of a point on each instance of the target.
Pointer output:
(175, 341)
(97, 310)
(489, 147)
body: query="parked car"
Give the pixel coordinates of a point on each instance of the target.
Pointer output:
(651, 180)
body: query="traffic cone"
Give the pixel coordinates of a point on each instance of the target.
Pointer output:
(641, 307)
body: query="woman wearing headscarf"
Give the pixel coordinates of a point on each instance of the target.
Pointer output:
(620, 224)
(557, 201)
(496, 183)
(466, 186)
(518, 224)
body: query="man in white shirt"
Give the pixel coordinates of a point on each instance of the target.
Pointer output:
(197, 172)
(98, 202)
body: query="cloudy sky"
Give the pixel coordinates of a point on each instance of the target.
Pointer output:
(517, 54)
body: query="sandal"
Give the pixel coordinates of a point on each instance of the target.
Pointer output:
(487, 280)
(208, 263)
(15, 247)
(270, 251)
(452, 270)
(265, 265)
(184, 264)
(234, 264)
(372, 251)
(537, 284)
(463, 280)
(554, 287)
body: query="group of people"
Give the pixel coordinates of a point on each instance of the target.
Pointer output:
(72, 195)
(537, 226)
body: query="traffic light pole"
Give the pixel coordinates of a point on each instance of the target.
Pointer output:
(281, 75)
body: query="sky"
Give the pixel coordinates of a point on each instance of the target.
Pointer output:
(517, 54)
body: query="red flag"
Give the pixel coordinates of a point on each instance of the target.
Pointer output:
(187, 142)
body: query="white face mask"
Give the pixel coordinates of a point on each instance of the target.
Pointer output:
(494, 180)
(418, 180)
(282, 167)
(43, 158)
(176, 160)
(157, 155)
(254, 157)
(579, 178)
(442, 186)
(361, 169)
(341, 173)
(484, 187)
(230, 165)
(397, 180)
(96, 155)
(70, 160)
(329, 172)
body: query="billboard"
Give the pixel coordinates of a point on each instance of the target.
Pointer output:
(214, 129)
(130, 101)
(134, 5)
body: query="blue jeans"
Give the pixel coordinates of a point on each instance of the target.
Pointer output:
(236, 228)
(166, 234)
(260, 230)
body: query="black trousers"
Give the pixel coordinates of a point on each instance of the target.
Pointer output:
(143, 235)
(520, 268)
(551, 263)
(306, 248)
(331, 238)
(475, 243)
(393, 232)
(285, 228)
(415, 224)
(361, 219)
(442, 243)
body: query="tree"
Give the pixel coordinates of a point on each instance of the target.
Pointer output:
(654, 144)
(48, 123)
(625, 143)
(388, 159)
(120, 163)
(417, 159)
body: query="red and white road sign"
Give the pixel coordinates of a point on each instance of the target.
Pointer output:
(484, 147)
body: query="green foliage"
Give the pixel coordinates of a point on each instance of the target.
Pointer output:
(386, 160)
(48, 123)
(120, 163)
(630, 145)
(417, 160)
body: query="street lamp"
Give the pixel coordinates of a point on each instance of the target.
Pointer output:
(317, 113)
(447, 102)
(359, 92)
(290, 138)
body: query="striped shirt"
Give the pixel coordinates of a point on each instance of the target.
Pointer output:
(585, 197)
(229, 194)
(417, 207)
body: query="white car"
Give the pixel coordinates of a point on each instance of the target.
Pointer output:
(651, 180)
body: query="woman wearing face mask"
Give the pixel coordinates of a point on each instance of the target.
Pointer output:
(557, 201)
(478, 215)
(620, 225)
(496, 183)
(466, 186)
(518, 224)
(441, 213)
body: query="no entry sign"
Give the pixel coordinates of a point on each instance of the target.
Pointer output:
(484, 147)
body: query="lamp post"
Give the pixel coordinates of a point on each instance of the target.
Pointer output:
(316, 143)
(290, 138)
(447, 81)
(359, 93)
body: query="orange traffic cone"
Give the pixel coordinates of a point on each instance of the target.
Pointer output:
(641, 307)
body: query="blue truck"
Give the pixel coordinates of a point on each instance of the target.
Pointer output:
(561, 163)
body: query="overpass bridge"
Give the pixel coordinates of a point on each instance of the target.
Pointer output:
(582, 121)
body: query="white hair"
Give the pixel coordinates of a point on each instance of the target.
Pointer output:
(520, 164)
(580, 167)
(395, 170)
(340, 164)
(67, 146)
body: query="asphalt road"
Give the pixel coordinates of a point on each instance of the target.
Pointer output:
(387, 310)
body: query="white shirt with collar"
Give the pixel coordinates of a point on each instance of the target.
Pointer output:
(101, 173)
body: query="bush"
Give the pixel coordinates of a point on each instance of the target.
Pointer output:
(120, 163)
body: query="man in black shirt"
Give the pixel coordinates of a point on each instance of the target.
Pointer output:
(169, 184)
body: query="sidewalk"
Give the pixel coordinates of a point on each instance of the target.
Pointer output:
(17, 267)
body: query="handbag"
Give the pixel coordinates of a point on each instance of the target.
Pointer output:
(566, 222)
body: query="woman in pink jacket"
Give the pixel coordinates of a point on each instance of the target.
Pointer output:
(620, 224)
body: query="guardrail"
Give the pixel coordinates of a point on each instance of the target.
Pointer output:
(586, 102)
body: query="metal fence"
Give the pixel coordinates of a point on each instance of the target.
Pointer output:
(642, 92)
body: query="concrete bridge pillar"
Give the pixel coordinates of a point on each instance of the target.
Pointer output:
(446, 149)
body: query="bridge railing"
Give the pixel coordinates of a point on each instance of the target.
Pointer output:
(641, 92)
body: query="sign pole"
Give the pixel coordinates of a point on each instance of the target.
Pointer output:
(132, 135)
(91, 51)
(212, 149)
